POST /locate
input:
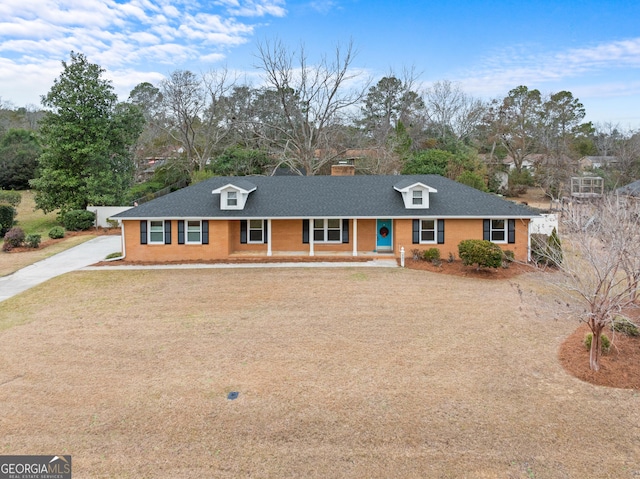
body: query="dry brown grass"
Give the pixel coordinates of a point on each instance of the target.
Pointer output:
(348, 372)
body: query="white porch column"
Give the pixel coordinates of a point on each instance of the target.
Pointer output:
(269, 252)
(355, 236)
(311, 252)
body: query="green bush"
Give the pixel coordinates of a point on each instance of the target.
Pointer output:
(431, 254)
(117, 254)
(7, 215)
(605, 343)
(473, 179)
(56, 232)
(624, 326)
(13, 239)
(32, 241)
(78, 220)
(482, 253)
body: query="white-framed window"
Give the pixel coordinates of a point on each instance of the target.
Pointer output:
(256, 231)
(232, 198)
(327, 231)
(498, 231)
(428, 231)
(194, 231)
(156, 232)
(417, 197)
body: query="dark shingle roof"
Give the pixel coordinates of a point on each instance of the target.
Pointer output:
(632, 189)
(329, 196)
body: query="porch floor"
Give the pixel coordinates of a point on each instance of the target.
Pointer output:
(319, 254)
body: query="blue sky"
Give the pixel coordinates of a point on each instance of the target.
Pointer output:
(591, 48)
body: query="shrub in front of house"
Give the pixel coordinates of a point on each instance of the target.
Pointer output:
(508, 257)
(13, 239)
(56, 232)
(431, 254)
(482, 253)
(78, 220)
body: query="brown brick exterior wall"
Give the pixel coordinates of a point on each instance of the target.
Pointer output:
(456, 231)
(286, 235)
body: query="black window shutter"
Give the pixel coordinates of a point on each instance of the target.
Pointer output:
(167, 232)
(205, 232)
(512, 231)
(243, 231)
(486, 230)
(143, 232)
(266, 236)
(305, 231)
(180, 231)
(345, 231)
(416, 231)
(440, 231)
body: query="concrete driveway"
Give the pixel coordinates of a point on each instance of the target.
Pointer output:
(70, 260)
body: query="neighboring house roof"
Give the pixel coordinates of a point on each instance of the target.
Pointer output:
(361, 196)
(597, 161)
(632, 189)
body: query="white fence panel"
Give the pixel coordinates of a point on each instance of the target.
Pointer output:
(104, 212)
(545, 224)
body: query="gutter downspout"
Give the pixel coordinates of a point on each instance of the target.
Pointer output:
(124, 252)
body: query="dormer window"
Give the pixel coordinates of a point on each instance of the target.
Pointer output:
(233, 196)
(414, 194)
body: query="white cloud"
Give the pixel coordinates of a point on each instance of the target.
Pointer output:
(522, 65)
(120, 35)
(323, 6)
(254, 8)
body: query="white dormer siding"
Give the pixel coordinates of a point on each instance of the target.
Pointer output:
(233, 196)
(415, 195)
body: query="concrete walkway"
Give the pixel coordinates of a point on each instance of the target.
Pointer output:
(72, 259)
(377, 263)
(86, 254)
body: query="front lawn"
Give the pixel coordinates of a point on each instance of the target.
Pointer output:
(347, 372)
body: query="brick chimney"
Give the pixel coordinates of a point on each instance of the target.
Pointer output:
(343, 169)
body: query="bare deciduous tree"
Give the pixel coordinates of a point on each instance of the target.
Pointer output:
(194, 112)
(601, 265)
(313, 100)
(451, 111)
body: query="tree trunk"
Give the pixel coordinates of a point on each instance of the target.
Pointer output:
(594, 352)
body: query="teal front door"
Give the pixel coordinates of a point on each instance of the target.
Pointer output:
(384, 241)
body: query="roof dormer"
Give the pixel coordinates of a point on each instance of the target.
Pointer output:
(414, 194)
(233, 196)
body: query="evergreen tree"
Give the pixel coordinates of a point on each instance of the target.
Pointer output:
(88, 138)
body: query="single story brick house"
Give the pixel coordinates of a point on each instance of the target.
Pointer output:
(224, 218)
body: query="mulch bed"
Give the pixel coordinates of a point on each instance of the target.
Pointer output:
(456, 268)
(619, 368)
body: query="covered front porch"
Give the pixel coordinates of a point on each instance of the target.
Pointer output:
(323, 237)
